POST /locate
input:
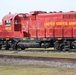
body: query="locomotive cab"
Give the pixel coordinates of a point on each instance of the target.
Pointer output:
(12, 23)
(11, 31)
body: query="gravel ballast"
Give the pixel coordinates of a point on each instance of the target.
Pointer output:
(37, 61)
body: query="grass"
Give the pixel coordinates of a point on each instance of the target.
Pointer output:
(35, 70)
(41, 54)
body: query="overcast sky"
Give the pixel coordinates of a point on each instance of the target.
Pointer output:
(22, 6)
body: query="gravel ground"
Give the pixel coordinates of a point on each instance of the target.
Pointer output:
(36, 62)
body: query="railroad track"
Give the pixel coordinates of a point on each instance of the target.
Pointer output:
(48, 50)
(41, 50)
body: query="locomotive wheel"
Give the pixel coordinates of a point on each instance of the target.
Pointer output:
(23, 48)
(7, 47)
(16, 47)
(0, 46)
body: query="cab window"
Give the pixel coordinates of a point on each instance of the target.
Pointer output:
(7, 22)
(16, 21)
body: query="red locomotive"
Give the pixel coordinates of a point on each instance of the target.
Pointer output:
(39, 29)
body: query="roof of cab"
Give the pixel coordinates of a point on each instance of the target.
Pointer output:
(10, 16)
